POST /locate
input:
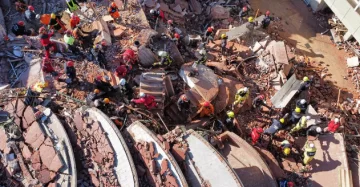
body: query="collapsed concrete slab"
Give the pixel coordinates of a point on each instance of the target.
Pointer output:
(315, 117)
(105, 34)
(242, 30)
(286, 93)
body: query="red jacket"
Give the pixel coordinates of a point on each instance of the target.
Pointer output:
(47, 67)
(121, 71)
(332, 126)
(74, 21)
(148, 101)
(129, 55)
(45, 39)
(255, 135)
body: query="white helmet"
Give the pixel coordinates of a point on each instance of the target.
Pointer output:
(311, 145)
(302, 101)
(142, 94)
(162, 53)
(97, 102)
(308, 117)
(246, 89)
(122, 82)
(318, 129)
(152, 11)
(37, 16)
(336, 120)
(202, 52)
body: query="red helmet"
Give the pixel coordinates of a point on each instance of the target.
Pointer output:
(21, 23)
(70, 63)
(207, 103)
(267, 13)
(209, 29)
(103, 43)
(113, 4)
(262, 97)
(176, 35)
(99, 77)
(42, 29)
(244, 8)
(31, 8)
(170, 21)
(259, 130)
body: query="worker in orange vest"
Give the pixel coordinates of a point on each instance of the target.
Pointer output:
(114, 11)
(207, 109)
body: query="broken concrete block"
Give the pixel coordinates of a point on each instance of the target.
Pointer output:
(3, 139)
(256, 47)
(279, 52)
(107, 18)
(50, 158)
(177, 8)
(276, 83)
(34, 136)
(195, 6)
(26, 152)
(145, 36)
(146, 57)
(118, 32)
(150, 3)
(219, 12)
(282, 76)
(102, 27)
(28, 117)
(183, 4)
(352, 62)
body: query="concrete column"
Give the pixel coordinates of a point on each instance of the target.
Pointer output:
(347, 36)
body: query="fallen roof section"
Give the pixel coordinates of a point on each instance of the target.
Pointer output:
(214, 170)
(246, 161)
(123, 165)
(140, 133)
(242, 29)
(286, 93)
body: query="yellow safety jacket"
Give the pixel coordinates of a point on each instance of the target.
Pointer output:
(300, 125)
(38, 87)
(310, 152)
(72, 6)
(239, 98)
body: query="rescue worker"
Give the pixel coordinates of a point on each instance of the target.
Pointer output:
(275, 126)
(170, 27)
(114, 11)
(241, 95)
(20, 6)
(305, 84)
(302, 124)
(266, 21)
(46, 67)
(251, 24)
(333, 126)
(102, 104)
(183, 104)
(99, 55)
(121, 71)
(256, 134)
(129, 56)
(176, 39)
(242, 14)
(126, 90)
(102, 85)
(260, 101)
(203, 57)
(70, 71)
(74, 20)
(309, 152)
(19, 29)
(70, 41)
(165, 59)
(39, 86)
(207, 109)
(96, 94)
(295, 116)
(31, 17)
(286, 147)
(302, 104)
(45, 41)
(146, 99)
(56, 23)
(229, 122)
(209, 35)
(314, 131)
(157, 14)
(223, 43)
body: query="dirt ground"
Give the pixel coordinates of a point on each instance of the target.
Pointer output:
(302, 31)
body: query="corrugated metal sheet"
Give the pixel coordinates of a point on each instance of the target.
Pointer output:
(154, 84)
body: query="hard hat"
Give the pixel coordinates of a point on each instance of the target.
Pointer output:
(176, 35)
(209, 29)
(53, 16)
(70, 63)
(106, 100)
(99, 77)
(282, 120)
(318, 129)
(103, 43)
(259, 130)
(142, 94)
(311, 145)
(152, 11)
(44, 84)
(308, 117)
(251, 19)
(21, 23)
(42, 29)
(230, 114)
(302, 101)
(184, 98)
(207, 103)
(96, 91)
(31, 8)
(162, 53)
(267, 13)
(113, 4)
(246, 89)
(244, 8)
(202, 52)
(122, 82)
(305, 79)
(287, 151)
(261, 97)
(170, 21)
(297, 110)
(97, 103)
(37, 16)
(336, 120)
(223, 36)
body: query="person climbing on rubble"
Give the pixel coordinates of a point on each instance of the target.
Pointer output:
(126, 90)
(184, 104)
(74, 20)
(314, 131)
(46, 67)
(266, 21)
(114, 12)
(207, 109)
(19, 29)
(20, 6)
(309, 152)
(302, 124)
(302, 104)
(56, 23)
(286, 147)
(146, 99)
(305, 84)
(129, 57)
(275, 126)
(333, 126)
(32, 18)
(241, 95)
(99, 55)
(223, 43)
(171, 28)
(244, 12)
(230, 120)
(295, 116)
(70, 71)
(256, 135)
(70, 41)
(203, 57)
(260, 101)
(102, 104)
(165, 59)
(96, 94)
(209, 35)
(102, 85)
(156, 14)
(46, 42)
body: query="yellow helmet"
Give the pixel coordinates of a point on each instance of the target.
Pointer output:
(297, 110)
(305, 79)
(53, 16)
(223, 36)
(282, 120)
(251, 19)
(44, 84)
(230, 114)
(96, 91)
(287, 151)
(106, 100)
